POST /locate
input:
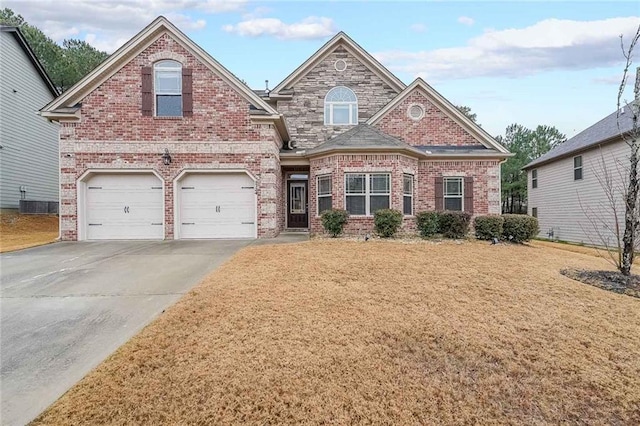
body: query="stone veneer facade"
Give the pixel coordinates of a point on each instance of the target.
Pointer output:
(305, 112)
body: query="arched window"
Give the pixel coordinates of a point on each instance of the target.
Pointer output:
(340, 106)
(168, 88)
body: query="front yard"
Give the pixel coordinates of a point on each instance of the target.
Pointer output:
(23, 231)
(378, 332)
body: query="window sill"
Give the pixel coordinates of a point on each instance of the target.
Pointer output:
(155, 117)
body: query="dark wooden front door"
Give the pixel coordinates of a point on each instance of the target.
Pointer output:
(297, 202)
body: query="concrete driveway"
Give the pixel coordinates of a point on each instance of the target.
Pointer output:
(65, 307)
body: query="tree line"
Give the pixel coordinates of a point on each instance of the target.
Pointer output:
(65, 64)
(527, 145)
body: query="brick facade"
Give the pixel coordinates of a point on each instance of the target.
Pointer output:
(486, 186)
(435, 128)
(305, 112)
(113, 135)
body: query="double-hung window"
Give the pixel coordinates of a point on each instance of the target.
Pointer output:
(534, 178)
(324, 193)
(168, 88)
(407, 194)
(577, 167)
(453, 197)
(365, 193)
(340, 106)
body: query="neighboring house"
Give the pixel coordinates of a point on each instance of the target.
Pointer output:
(569, 186)
(28, 144)
(161, 141)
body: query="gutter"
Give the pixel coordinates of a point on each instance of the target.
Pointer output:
(613, 139)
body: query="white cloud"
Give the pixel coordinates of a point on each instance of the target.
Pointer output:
(551, 44)
(465, 20)
(112, 22)
(611, 80)
(309, 28)
(418, 28)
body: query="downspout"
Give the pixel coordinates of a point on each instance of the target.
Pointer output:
(60, 189)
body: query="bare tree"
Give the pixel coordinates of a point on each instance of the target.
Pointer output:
(631, 139)
(604, 211)
(619, 180)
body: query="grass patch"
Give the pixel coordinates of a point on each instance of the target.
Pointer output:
(379, 332)
(22, 231)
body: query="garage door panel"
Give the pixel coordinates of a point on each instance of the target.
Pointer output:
(217, 206)
(124, 206)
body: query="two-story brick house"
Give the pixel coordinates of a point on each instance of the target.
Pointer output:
(161, 141)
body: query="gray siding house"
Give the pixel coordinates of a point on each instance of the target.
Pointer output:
(28, 143)
(576, 188)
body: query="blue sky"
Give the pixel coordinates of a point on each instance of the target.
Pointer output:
(553, 63)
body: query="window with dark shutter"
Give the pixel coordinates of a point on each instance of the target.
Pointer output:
(453, 199)
(147, 92)
(187, 94)
(167, 86)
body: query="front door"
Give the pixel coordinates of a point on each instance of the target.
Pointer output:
(298, 213)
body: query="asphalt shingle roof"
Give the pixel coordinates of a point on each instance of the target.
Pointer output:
(362, 136)
(603, 130)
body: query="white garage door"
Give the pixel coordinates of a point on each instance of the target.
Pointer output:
(124, 207)
(217, 206)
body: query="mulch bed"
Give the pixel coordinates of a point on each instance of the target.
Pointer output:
(607, 280)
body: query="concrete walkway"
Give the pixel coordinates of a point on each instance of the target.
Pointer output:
(65, 307)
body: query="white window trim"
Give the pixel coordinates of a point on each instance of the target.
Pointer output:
(353, 118)
(534, 177)
(318, 195)
(581, 168)
(157, 67)
(367, 192)
(444, 191)
(405, 194)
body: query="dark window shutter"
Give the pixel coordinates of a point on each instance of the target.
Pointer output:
(187, 92)
(468, 194)
(439, 188)
(147, 91)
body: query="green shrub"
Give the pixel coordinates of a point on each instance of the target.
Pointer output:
(427, 223)
(488, 227)
(454, 224)
(387, 222)
(333, 221)
(519, 227)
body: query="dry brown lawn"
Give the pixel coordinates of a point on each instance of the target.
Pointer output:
(575, 248)
(379, 332)
(23, 231)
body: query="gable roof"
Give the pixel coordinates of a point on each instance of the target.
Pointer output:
(133, 47)
(341, 39)
(363, 137)
(448, 108)
(22, 42)
(605, 130)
